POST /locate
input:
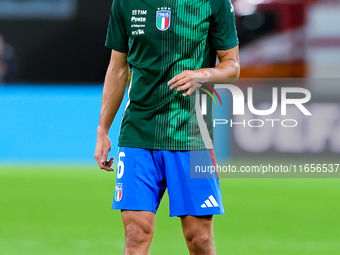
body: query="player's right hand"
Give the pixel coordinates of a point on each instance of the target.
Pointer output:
(103, 147)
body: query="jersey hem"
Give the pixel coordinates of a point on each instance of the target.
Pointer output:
(159, 147)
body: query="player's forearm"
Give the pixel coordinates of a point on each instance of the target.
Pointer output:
(228, 69)
(113, 93)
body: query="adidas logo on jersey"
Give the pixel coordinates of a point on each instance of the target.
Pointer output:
(210, 202)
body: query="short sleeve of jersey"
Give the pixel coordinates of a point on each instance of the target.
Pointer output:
(116, 37)
(223, 29)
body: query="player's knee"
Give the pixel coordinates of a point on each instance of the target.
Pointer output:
(138, 233)
(198, 241)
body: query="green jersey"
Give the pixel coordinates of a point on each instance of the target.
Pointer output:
(163, 39)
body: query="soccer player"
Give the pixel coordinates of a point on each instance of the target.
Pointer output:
(165, 44)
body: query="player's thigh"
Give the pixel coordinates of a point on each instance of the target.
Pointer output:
(138, 224)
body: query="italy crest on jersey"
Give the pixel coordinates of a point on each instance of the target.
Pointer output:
(163, 20)
(118, 192)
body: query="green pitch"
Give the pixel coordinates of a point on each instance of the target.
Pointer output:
(66, 210)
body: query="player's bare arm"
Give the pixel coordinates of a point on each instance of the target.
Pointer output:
(229, 67)
(113, 92)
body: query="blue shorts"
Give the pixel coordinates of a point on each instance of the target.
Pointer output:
(143, 175)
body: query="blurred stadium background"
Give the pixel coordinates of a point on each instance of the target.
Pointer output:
(54, 200)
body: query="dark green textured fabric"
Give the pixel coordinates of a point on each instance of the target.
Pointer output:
(157, 117)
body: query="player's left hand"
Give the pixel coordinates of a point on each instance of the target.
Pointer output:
(182, 82)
